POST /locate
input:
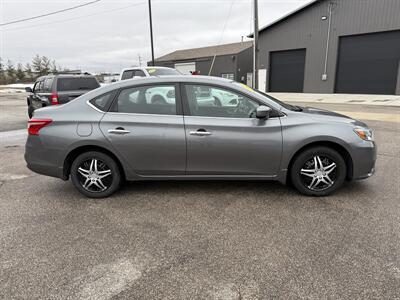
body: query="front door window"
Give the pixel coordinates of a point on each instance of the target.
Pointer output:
(210, 101)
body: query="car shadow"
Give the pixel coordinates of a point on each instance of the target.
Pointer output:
(223, 191)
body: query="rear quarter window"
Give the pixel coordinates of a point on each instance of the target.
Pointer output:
(76, 84)
(104, 101)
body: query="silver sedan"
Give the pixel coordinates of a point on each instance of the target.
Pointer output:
(113, 134)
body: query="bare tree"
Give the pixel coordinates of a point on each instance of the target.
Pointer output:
(53, 66)
(46, 64)
(37, 64)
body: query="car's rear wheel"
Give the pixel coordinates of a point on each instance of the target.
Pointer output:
(95, 174)
(318, 171)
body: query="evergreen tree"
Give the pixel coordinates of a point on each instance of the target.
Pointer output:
(28, 71)
(2, 75)
(20, 72)
(10, 72)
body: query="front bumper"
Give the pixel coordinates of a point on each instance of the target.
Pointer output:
(364, 158)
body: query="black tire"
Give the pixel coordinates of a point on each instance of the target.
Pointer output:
(105, 163)
(304, 175)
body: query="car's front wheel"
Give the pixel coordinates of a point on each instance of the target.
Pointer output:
(95, 174)
(318, 171)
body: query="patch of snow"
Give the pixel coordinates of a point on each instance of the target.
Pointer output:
(18, 85)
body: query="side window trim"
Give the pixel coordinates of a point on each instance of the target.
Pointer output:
(35, 86)
(178, 97)
(185, 103)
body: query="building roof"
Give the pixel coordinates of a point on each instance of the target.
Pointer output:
(227, 49)
(283, 18)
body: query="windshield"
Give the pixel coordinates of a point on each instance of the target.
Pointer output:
(79, 83)
(162, 72)
(281, 103)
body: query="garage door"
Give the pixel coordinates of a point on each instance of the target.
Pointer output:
(368, 64)
(286, 72)
(186, 68)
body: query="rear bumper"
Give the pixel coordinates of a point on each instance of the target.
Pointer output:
(42, 160)
(43, 169)
(364, 159)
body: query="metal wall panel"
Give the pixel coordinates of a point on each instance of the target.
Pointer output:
(307, 30)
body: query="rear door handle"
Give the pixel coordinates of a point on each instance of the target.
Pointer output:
(118, 130)
(200, 133)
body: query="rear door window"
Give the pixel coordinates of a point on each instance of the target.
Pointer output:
(76, 84)
(158, 99)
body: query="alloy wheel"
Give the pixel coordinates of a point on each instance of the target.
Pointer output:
(319, 173)
(94, 175)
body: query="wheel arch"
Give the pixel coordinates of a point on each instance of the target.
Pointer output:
(330, 144)
(74, 153)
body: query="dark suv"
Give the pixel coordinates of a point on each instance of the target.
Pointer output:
(58, 89)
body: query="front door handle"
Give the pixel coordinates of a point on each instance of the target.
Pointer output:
(118, 130)
(200, 132)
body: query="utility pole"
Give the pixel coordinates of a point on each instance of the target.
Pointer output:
(255, 46)
(140, 60)
(151, 34)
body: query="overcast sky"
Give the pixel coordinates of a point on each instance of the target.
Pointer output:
(111, 34)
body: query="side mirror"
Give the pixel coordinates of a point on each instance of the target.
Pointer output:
(29, 90)
(263, 112)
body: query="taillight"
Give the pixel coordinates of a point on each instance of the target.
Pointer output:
(54, 99)
(34, 125)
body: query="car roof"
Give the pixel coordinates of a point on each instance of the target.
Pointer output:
(74, 75)
(65, 76)
(145, 68)
(172, 78)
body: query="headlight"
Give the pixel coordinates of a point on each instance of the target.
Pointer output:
(364, 133)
